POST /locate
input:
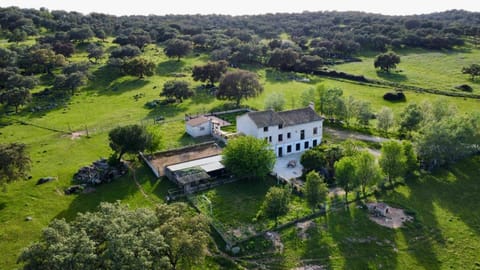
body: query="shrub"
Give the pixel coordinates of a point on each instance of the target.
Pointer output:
(465, 87)
(394, 96)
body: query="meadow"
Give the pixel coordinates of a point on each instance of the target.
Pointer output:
(110, 100)
(423, 68)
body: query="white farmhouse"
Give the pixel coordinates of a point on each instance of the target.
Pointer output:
(287, 132)
(199, 126)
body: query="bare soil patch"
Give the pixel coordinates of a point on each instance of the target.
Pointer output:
(77, 134)
(303, 227)
(394, 218)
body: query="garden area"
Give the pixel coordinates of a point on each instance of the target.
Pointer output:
(235, 208)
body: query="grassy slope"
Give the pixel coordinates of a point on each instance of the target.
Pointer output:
(444, 235)
(100, 108)
(423, 68)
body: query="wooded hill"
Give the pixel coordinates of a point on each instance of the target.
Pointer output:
(325, 34)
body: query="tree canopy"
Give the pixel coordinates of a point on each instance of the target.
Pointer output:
(315, 189)
(473, 70)
(210, 72)
(345, 175)
(178, 48)
(128, 139)
(176, 89)
(139, 67)
(238, 85)
(14, 162)
(115, 237)
(276, 202)
(386, 61)
(248, 157)
(393, 160)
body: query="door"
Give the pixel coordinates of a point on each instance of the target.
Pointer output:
(280, 151)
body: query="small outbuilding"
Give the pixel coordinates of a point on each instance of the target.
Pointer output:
(379, 209)
(195, 174)
(199, 126)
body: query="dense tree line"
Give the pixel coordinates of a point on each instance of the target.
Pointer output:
(323, 34)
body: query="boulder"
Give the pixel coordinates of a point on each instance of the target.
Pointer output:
(75, 189)
(44, 180)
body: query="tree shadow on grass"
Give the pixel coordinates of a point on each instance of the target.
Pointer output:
(111, 192)
(316, 250)
(170, 110)
(103, 78)
(362, 243)
(394, 76)
(170, 66)
(203, 96)
(457, 189)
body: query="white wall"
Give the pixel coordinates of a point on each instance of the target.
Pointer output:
(200, 130)
(246, 126)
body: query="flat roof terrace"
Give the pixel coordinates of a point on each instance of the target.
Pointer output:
(163, 159)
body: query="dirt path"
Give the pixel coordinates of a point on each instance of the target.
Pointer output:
(347, 134)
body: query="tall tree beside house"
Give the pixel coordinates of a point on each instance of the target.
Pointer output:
(345, 175)
(178, 48)
(128, 139)
(210, 72)
(332, 104)
(248, 157)
(315, 189)
(275, 101)
(393, 160)
(367, 171)
(14, 162)
(238, 85)
(276, 202)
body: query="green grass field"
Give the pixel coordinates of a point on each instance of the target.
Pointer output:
(445, 233)
(108, 101)
(427, 69)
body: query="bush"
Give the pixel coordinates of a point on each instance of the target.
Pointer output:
(394, 96)
(465, 87)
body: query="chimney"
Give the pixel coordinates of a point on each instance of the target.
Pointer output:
(311, 105)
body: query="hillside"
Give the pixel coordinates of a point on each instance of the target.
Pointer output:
(76, 68)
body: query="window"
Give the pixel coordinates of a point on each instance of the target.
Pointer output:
(306, 145)
(269, 138)
(265, 129)
(202, 128)
(280, 137)
(314, 143)
(297, 147)
(266, 139)
(315, 131)
(289, 148)
(302, 134)
(289, 135)
(280, 126)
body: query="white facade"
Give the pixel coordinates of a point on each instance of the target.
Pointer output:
(199, 127)
(287, 132)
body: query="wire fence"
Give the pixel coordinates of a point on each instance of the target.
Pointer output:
(96, 128)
